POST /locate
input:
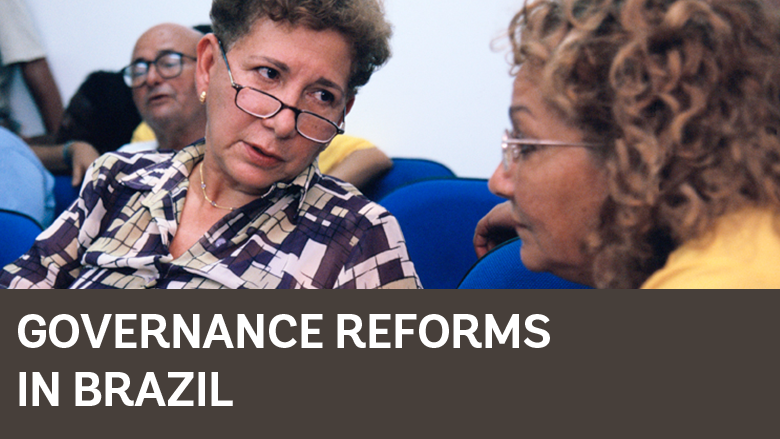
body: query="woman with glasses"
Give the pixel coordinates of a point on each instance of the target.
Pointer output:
(644, 146)
(247, 206)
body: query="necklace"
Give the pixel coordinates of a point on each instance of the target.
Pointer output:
(203, 188)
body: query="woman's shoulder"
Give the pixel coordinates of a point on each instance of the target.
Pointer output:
(121, 164)
(740, 251)
(335, 197)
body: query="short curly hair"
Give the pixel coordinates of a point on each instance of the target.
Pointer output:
(362, 22)
(684, 97)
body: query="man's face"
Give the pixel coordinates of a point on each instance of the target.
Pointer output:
(168, 105)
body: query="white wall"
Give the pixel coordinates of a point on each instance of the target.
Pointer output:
(443, 95)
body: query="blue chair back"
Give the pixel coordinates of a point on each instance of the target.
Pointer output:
(438, 218)
(17, 234)
(64, 193)
(502, 268)
(403, 172)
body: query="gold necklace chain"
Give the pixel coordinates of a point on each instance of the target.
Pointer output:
(203, 188)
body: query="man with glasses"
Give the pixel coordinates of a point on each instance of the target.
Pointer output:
(162, 76)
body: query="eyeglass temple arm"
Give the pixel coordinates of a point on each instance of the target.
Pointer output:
(224, 56)
(340, 129)
(511, 141)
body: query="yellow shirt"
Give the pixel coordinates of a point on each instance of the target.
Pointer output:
(742, 251)
(142, 134)
(340, 147)
(338, 150)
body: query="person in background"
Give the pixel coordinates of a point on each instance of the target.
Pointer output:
(166, 98)
(20, 45)
(100, 118)
(246, 206)
(101, 113)
(27, 186)
(143, 133)
(644, 148)
(162, 79)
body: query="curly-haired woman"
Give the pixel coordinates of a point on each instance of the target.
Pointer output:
(644, 148)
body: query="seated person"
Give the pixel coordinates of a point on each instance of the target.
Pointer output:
(172, 120)
(245, 207)
(161, 77)
(100, 118)
(101, 113)
(172, 106)
(664, 175)
(26, 185)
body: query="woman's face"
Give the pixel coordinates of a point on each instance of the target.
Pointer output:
(303, 68)
(556, 192)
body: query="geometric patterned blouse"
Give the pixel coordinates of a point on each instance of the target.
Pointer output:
(313, 232)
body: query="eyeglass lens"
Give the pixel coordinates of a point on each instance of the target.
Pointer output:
(507, 156)
(508, 152)
(168, 65)
(309, 125)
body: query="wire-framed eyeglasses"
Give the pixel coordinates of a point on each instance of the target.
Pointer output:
(513, 148)
(169, 65)
(263, 105)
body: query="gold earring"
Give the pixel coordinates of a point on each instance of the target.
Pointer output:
(202, 97)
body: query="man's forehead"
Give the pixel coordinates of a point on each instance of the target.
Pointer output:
(166, 38)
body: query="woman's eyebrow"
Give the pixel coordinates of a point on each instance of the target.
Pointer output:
(278, 65)
(284, 68)
(514, 109)
(514, 114)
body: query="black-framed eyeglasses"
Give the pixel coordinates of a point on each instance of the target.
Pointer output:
(512, 148)
(169, 65)
(263, 105)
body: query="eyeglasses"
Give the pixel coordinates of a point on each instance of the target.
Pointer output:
(168, 64)
(512, 148)
(265, 106)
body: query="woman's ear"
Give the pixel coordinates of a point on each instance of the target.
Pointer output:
(350, 103)
(208, 50)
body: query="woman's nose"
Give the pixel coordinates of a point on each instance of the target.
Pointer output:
(283, 123)
(501, 183)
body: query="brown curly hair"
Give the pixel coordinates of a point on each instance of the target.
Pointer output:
(684, 97)
(362, 22)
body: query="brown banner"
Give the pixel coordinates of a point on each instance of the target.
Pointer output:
(560, 363)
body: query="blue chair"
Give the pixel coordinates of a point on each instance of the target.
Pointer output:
(403, 172)
(438, 218)
(64, 193)
(502, 268)
(17, 234)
